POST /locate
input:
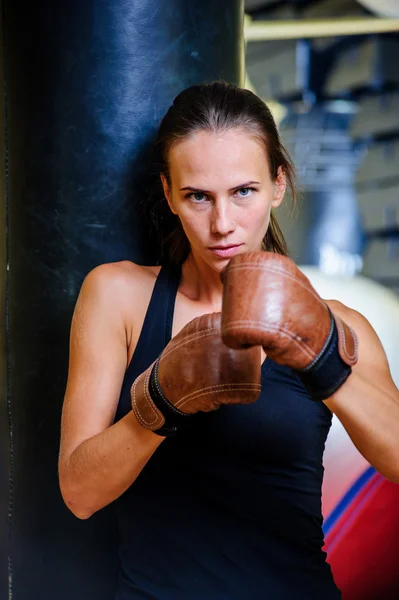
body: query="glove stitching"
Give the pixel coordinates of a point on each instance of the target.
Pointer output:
(169, 404)
(135, 409)
(251, 324)
(193, 337)
(219, 386)
(342, 339)
(226, 388)
(149, 402)
(282, 272)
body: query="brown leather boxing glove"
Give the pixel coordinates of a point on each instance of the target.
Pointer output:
(195, 372)
(268, 301)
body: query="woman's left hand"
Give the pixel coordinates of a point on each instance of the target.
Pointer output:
(268, 301)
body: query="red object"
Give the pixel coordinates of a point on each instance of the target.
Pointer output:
(363, 545)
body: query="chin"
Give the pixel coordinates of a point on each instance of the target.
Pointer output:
(220, 264)
(217, 265)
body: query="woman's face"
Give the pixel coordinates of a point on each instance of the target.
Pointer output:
(222, 192)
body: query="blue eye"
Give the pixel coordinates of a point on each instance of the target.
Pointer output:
(196, 196)
(247, 191)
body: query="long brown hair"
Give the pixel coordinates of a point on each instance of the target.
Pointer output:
(215, 107)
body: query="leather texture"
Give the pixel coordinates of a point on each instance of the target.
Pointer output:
(198, 372)
(268, 301)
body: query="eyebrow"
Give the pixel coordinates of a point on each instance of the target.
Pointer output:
(236, 187)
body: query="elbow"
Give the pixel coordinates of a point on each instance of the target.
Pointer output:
(80, 511)
(392, 476)
(74, 501)
(391, 471)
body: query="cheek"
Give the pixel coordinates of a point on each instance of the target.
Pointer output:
(258, 218)
(193, 224)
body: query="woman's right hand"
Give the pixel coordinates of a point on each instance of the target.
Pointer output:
(195, 372)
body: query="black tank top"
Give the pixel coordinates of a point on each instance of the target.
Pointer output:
(231, 508)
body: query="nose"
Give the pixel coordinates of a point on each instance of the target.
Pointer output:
(222, 222)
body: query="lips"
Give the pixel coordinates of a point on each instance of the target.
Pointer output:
(226, 251)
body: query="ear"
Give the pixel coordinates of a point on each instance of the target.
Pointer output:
(167, 192)
(280, 185)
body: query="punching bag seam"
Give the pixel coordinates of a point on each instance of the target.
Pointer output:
(7, 296)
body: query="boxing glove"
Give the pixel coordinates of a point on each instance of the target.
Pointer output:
(268, 301)
(195, 372)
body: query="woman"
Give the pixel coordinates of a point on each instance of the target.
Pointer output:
(223, 504)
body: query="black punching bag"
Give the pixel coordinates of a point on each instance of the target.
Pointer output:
(84, 85)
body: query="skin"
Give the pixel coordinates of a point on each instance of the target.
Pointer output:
(99, 460)
(211, 194)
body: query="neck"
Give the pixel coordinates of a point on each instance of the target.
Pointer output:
(201, 283)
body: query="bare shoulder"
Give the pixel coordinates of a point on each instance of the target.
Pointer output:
(119, 282)
(122, 273)
(120, 292)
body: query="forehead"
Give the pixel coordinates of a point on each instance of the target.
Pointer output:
(234, 153)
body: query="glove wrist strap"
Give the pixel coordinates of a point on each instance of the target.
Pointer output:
(174, 418)
(328, 372)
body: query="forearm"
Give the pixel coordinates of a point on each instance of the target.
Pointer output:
(370, 415)
(101, 468)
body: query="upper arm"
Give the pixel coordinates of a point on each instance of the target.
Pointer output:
(98, 357)
(372, 363)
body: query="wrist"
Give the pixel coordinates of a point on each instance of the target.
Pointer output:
(174, 418)
(328, 372)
